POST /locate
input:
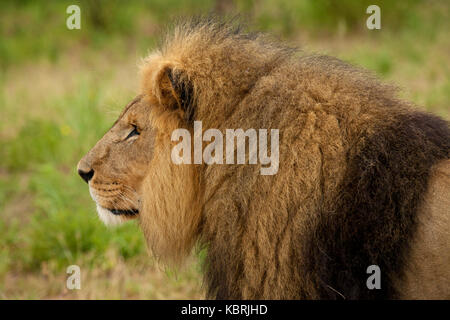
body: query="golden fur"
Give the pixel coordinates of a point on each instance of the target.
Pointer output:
(266, 234)
(427, 275)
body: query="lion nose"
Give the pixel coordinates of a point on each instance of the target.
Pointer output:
(86, 175)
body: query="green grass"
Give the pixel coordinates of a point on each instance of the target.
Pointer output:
(34, 29)
(329, 16)
(60, 90)
(63, 227)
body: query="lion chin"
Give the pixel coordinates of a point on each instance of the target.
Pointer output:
(113, 217)
(109, 218)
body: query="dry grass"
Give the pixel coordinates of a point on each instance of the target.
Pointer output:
(134, 279)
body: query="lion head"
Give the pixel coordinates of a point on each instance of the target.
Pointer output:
(130, 172)
(131, 176)
(115, 167)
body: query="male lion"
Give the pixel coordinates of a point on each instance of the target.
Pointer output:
(363, 178)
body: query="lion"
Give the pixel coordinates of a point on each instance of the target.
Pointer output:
(363, 178)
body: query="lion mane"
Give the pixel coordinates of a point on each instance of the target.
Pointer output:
(355, 170)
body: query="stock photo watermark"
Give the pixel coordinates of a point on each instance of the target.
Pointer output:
(374, 281)
(214, 151)
(73, 282)
(74, 20)
(374, 20)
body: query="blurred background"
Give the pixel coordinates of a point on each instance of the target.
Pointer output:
(60, 90)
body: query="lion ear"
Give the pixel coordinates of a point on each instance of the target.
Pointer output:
(176, 92)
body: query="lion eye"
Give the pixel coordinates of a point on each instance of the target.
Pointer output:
(135, 132)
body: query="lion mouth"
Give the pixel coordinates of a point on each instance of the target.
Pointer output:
(111, 217)
(129, 212)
